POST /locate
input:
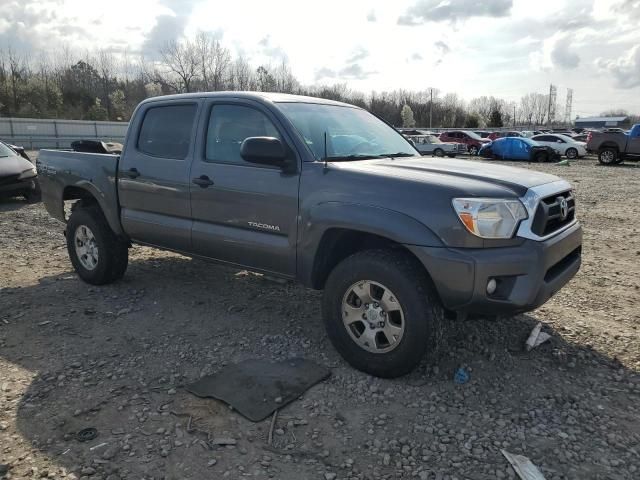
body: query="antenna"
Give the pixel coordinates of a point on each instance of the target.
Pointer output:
(325, 150)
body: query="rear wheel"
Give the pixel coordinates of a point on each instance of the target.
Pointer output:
(473, 150)
(97, 254)
(608, 156)
(381, 312)
(571, 153)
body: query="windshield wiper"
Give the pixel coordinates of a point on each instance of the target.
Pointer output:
(398, 154)
(351, 157)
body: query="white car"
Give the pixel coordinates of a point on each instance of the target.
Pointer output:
(563, 144)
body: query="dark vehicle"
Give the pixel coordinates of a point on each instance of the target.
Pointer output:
(615, 147)
(495, 135)
(470, 139)
(518, 148)
(17, 175)
(329, 195)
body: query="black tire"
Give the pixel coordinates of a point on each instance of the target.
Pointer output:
(473, 150)
(423, 313)
(571, 153)
(608, 156)
(541, 157)
(113, 252)
(438, 152)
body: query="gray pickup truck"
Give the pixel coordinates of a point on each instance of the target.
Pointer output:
(331, 196)
(615, 147)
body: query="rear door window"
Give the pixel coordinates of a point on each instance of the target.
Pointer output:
(166, 131)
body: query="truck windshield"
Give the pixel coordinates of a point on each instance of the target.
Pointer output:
(351, 133)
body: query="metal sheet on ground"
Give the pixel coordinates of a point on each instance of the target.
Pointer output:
(256, 388)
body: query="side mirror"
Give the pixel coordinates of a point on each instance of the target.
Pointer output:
(264, 151)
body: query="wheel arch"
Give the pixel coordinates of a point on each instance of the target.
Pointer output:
(89, 194)
(339, 230)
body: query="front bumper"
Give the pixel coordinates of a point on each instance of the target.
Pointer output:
(17, 187)
(527, 275)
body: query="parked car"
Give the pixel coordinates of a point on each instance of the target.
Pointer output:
(19, 150)
(482, 133)
(494, 135)
(527, 133)
(581, 137)
(563, 144)
(432, 145)
(615, 147)
(472, 140)
(17, 175)
(518, 148)
(255, 180)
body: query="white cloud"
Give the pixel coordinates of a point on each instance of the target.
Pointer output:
(471, 47)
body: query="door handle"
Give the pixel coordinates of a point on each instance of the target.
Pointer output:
(203, 181)
(132, 173)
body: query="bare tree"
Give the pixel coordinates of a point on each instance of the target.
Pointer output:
(180, 60)
(241, 75)
(214, 61)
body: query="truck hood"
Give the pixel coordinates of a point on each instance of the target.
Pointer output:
(519, 180)
(13, 165)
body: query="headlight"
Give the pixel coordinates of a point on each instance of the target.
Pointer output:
(31, 172)
(490, 217)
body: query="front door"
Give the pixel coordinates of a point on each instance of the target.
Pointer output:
(153, 175)
(243, 213)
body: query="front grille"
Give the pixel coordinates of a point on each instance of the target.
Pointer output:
(548, 217)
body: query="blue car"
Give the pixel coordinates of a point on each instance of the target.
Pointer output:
(517, 148)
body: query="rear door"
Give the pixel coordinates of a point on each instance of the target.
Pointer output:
(244, 213)
(153, 175)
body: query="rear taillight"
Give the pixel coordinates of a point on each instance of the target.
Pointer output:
(589, 135)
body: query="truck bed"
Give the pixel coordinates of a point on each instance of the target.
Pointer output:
(60, 171)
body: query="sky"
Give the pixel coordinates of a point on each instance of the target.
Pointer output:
(504, 48)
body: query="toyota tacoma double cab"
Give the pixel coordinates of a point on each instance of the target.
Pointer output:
(329, 195)
(615, 147)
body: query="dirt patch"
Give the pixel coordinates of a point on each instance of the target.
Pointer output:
(115, 358)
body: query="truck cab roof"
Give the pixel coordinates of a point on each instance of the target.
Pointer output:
(259, 96)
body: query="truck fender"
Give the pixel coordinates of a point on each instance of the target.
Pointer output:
(386, 223)
(110, 214)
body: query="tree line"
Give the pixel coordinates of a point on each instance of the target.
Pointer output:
(102, 85)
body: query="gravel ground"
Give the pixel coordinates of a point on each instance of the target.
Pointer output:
(116, 358)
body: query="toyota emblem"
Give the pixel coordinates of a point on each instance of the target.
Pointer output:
(564, 208)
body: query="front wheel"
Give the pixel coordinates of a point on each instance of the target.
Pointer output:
(381, 313)
(97, 254)
(438, 152)
(473, 150)
(571, 153)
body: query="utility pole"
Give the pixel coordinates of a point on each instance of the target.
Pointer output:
(514, 116)
(430, 108)
(551, 113)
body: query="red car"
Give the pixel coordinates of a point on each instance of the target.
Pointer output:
(472, 140)
(494, 135)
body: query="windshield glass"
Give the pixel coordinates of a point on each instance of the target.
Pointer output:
(352, 133)
(473, 135)
(434, 139)
(6, 151)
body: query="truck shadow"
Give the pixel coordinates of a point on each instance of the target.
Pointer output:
(10, 204)
(114, 358)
